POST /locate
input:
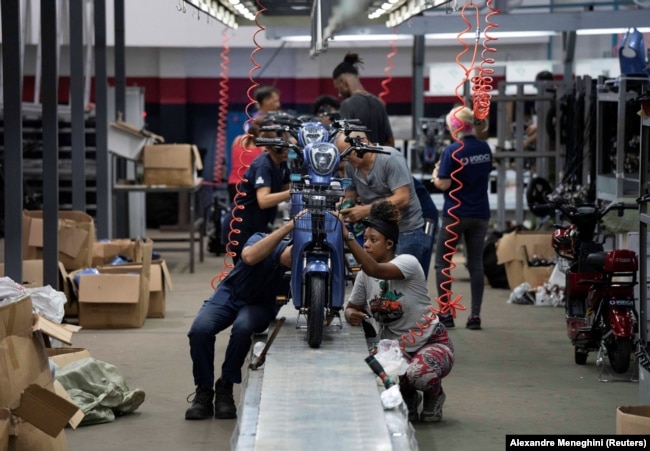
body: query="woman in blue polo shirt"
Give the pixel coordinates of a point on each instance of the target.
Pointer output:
(473, 163)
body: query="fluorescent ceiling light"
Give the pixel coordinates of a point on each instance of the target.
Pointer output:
(592, 31)
(494, 34)
(371, 37)
(351, 37)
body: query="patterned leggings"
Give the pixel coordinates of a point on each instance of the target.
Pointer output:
(428, 365)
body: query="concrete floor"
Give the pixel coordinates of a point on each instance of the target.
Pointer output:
(516, 376)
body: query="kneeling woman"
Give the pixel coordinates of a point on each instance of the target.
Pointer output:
(392, 288)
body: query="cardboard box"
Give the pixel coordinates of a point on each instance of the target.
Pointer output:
(29, 407)
(116, 298)
(104, 252)
(63, 356)
(515, 249)
(160, 282)
(633, 420)
(127, 140)
(76, 238)
(33, 274)
(171, 165)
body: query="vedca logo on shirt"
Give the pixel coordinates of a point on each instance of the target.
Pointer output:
(476, 159)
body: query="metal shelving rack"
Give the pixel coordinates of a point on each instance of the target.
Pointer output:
(644, 220)
(612, 180)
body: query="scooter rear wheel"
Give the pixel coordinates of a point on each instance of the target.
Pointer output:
(580, 356)
(619, 352)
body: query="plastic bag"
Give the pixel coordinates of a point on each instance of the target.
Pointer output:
(48, 302)
(10, 291)
(521, 295)
(390, 356)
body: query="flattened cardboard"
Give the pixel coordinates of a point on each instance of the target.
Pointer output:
(52, 329)
(171, 165)
(633, 420)
(45, 409)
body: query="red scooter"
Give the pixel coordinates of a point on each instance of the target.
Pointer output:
(600, 308)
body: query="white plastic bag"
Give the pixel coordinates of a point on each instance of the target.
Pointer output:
(521, 295)
(390, 356)
(48, 302)
(10, 291)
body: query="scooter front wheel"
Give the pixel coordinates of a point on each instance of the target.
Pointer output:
(316, 290)
(619, 352)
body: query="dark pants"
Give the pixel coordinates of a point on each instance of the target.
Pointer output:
(218, 313)
(473, 232)
(418, 244)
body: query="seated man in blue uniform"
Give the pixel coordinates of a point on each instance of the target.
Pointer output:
(246, 300)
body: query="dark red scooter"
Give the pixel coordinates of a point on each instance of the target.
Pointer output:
(600, 308)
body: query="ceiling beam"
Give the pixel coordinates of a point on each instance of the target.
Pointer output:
(277, 28)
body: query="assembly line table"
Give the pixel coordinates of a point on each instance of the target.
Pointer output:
(195, 223)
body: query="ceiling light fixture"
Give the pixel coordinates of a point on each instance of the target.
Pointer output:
(597, 31)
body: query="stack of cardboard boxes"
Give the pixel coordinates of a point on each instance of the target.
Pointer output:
(523, 253)
(34, 408)
(120, 295)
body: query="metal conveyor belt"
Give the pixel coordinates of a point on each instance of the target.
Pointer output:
(315, 399)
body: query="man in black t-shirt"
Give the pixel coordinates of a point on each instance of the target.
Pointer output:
(360, 104)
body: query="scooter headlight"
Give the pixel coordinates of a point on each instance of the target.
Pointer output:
(323, 157)
(312, 132)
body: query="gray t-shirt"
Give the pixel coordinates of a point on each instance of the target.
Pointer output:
(387, 174)
(411, 292)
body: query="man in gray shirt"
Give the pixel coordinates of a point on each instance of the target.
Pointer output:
(377, 176)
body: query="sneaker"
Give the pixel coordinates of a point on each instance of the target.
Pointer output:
(474, 323)
(201, 404)
(412, 402)
(432, 407)
(224, 404)
(447, 320)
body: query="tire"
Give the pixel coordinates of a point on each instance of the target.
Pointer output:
(580, 356)
(618, 352)
(316, 291)
(537, 194)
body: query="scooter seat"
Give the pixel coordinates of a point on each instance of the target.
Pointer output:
(597, 260)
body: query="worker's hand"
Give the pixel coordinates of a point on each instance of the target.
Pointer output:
(354, 214)
(434, 174)
(355, 317)
(297, 216)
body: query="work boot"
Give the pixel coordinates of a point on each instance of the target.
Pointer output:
(432, 407)
(201, 404)
(224, 404)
